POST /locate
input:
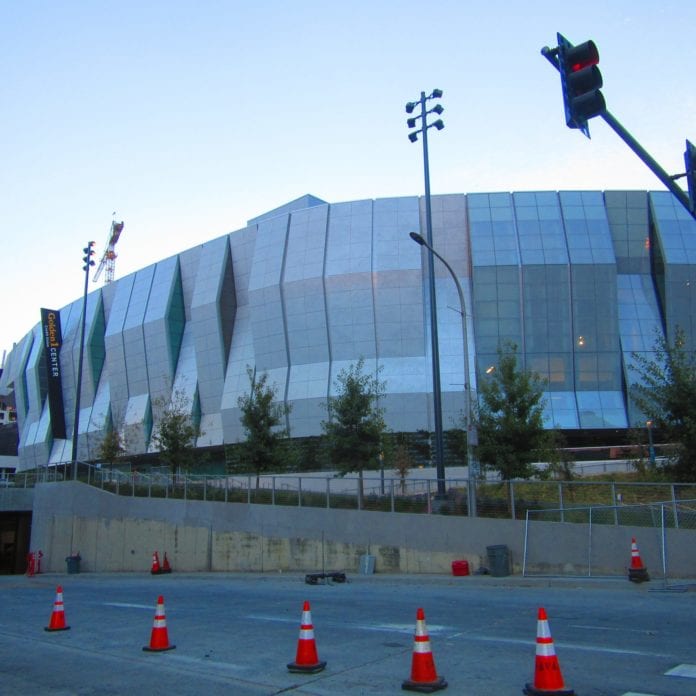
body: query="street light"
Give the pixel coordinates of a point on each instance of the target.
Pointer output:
(437, 395)
(88, 252)
(471, 431)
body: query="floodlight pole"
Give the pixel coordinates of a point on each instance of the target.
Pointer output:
(434, 343)
(88, 251)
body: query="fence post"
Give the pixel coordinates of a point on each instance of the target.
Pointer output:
(391, 494)
(526, 535)
(299, 491)
(613, 502)
(328, 492)
(427, 488)
(560, 499)
(273, 478)
(249, 488)
(589, 546)
(512, 500)
(227, 485)
(664, 546)
(675, 509)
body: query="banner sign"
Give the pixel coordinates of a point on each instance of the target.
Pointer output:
(53, 339)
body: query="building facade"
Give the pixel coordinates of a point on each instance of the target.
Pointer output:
(579, 281)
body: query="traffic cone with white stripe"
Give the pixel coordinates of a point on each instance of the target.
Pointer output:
(306, 659)
(155, 570)
(423, 674)
(159, 638)
(548, 680)
(57, 622)
(637, 572)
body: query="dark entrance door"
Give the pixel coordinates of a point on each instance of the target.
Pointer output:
(15, 534)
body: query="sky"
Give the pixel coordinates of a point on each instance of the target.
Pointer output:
(186, 119)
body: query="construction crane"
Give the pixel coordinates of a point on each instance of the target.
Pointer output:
(108, 260)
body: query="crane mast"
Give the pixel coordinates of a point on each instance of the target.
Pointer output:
(108, 259)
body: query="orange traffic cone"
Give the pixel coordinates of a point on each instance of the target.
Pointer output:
(155, 570)
(166, 568)
(57, 622)
(548, 679)
(637, 572)
(423, 675)
(159, 639)
(306, 659)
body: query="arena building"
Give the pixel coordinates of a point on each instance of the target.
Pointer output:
(580, 281)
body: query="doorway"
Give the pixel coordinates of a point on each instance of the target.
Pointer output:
(15, 535)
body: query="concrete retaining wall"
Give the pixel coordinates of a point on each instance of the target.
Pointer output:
(120, 533)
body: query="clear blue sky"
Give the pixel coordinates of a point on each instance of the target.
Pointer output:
(189, 118)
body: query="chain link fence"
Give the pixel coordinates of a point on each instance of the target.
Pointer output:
(560, 501)
(588, 545)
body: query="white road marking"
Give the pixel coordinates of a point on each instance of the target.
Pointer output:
(130, 606)
(439, 630)
(623, 629)
(682, 671)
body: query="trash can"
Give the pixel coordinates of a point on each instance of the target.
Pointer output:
(73, 564)
(367, 564)
(499, 560)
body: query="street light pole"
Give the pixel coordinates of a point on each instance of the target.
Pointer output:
(434, 343)
(471, 431)
(651, 446)
(89, 262)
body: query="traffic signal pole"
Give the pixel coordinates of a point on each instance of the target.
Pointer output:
(558, 57)
(648, 160)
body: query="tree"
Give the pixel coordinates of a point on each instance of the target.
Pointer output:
(263, 420)
(111, 447)
(355, 426)
(403, 463)
(176, 432)
(665, 394)
(510, 419)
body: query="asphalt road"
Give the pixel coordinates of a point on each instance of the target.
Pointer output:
(236, 633)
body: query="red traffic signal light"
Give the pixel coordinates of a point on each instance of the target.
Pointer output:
(581, 81)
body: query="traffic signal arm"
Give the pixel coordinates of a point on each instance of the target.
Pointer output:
(582, 100)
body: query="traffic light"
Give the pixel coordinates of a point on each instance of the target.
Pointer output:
(690, 162)
(580, 82)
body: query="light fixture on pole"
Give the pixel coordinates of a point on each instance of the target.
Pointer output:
(651, 445)
(471, 430)
(89, 262)
(437, 395)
